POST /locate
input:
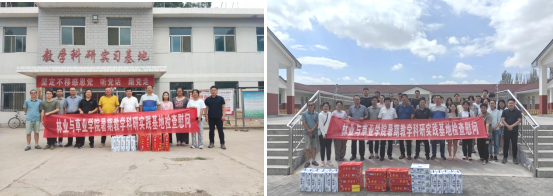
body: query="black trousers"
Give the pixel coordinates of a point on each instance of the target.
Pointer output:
(483, 148)
(383, 145)
(418, 147)
(376, 144)
(79, 140)
(402, 147)
(90, 140)
(510, 138)
(60, 139)
(50, 141)
(219, 123)
(70, 139)
(183, 137)
(361, 148)
(325, 148)
(467, 147)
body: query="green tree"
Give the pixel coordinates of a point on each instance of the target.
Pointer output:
(506, 78)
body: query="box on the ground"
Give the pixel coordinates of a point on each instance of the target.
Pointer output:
(357, 180)
(397, 172)
(121, 141)
(166, 142)
(425, 177)
(334, 180)
(375, 187)
(436, 181)
(157, 142)
(349, 188)
(133, 143)
(400, 181)
(419, 168)
(420, 189)
(113, 149)
(349, 175)
(305, 180)
(374, 173)
(400, 188)
(320, 180)
(350, 167)
(458, 181)
(370, 180)
(327, 181)
(128, 143)
(144, 142)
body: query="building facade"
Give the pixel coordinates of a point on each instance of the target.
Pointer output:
(119, 45)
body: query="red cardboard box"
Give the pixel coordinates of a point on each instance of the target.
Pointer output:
(166, 143)
(144, 142)
(157, 142)
(376, 187)
(400, 181)
(373, 173)
(350, 167)
(375, 181)
(357, 180)
(398, 172)
(349, 175)
(349, 187)
(400, 188)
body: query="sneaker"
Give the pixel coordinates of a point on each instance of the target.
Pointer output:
(484, 162)
(306, 164)
(416, 156)
(504, 160)
(322, 163)
(67, 145)
(390, 157)
(491, 157)
(201, 147)
(52, 147)
(402, 156)
(443, 157)
(211, 145)
(371, 156)
(433, 157)
(495, 158)
(329, 163)
(381, 158)
(408, 157)
(224, 148)
(352, 158)
(377, 157)
(515, 161)
(59, 144)
(46, 147)
(37, 147)
(27, 148)
(427, 157)
(192, 146)
(362, 158)
(76, 145)
(315, 163)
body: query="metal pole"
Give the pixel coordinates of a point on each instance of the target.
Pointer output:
(290, 150)
(535, 143)
(235, 117)
(243, 112)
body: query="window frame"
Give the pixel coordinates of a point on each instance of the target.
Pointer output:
(224, 39)
(13, 92)
(72, 33)
(119, 31)
(171, 39)
(14, 41)
(257, 39)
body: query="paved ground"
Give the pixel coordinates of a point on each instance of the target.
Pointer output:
(98, 171)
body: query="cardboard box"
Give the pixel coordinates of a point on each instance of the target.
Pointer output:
(369, 180)
(334, 180)
(400, 188)
(166, 142)
(313, 181)
(351, 167)
(397, 172)
(419, 168)
(420, 189)
(121, 142)
(349, 188)
(133, 143)
(320, 180)
(157, 142)
(375, 187)
(420, 177)
(374, 173)
(349, 175)
(327, 181)
(424, 183)
(400, 181)
(113, 148)
(127, 143)
(357, 180)
(305, 180)
(436, 181)
(458, 181)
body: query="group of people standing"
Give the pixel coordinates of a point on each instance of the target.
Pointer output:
(211, 110)
(501, 120)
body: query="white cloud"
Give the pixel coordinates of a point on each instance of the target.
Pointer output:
(522, 27)
(430, 58)
(452, 40)
(346, 78)
(448, 82)
(460, 70)
(313, 80)
(364, 80)
(390, 25)
(283, 36)
(397, 67)
(322, 61)
(298, 47)
(385, 83)
(321, 47)
(478, 47)
(465, 82)
(437, 77)
(476, 81)
(433, 26)
(412, 79)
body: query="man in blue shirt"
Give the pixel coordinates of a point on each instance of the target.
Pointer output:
(438, 112)
(149, 101)
(32, 110)
(310, 120)
(71, 106)
(405, 111)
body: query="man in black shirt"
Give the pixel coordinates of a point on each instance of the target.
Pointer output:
(510, 118)
(415, 101)
(215, 116)
(422, 113)
(366, 100)
(87, 106)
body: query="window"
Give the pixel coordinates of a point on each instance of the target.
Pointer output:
(233, 85)
(186, 87)
(261, 85)
(13, 97)
(119, 31)
(72, 31)
(260, 39)
(15, 39)
(224, 39)
(181, 39)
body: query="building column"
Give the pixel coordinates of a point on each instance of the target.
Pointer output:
(272, 81)
(290, 91)
(543, 90)
(550, 99)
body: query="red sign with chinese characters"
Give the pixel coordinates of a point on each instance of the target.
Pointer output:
(84, 125)
(407, 129)
(131, 81)
(91, 55)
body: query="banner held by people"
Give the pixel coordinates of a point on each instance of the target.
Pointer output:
(411, 129)
(82, 125)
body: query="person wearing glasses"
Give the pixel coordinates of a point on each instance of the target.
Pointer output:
(310, 120)
(357, 112)
(49, 106)
(31, 107)
(71, 106)
(386, 113)
(108, 104)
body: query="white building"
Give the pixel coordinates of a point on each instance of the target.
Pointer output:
(193, 48)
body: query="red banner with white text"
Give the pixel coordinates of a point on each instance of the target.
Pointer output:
(84, 125)
(407, 129)
(92, 82)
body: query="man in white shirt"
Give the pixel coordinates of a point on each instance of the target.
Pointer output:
(478, 103)
(129, 103)
(387, 113)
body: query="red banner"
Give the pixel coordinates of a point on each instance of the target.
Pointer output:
(84, 125)
(116, 81)
(407, 129)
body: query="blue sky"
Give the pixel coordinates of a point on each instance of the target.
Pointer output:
(439, 41)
